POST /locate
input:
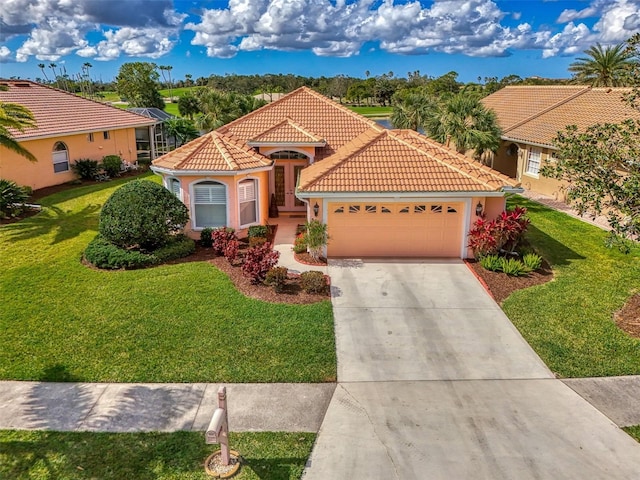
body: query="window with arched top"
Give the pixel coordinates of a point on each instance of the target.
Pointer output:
(60, 157)
(288, 155)
(209, 204)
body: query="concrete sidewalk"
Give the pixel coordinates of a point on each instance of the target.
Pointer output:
(122, 407)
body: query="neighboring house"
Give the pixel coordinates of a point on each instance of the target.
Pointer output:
(151, 143)
(381, 192)
(69, 128)
(530, 118)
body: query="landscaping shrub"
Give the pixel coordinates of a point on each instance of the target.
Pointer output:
(112, 165)
(316, 238)
(220, 237)
(255, 241)
(179, 247)
(142, 214)
(300, 243)
(86, 168)
(103, 254)
(532, 261)
(205, 237)
(502, 234)
(313, 282)
(513, 267)
(12, 198)
(277, 278)
(231, 250)
(491, 262)
(258, 261)
(258, 231)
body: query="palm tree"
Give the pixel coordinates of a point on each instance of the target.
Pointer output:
(41, 67)
(53, 66)
(16, 117)
(412, 111)
(461, 119)
(604, 67)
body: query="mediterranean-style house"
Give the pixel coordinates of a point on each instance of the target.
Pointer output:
(531, 116)
(68, 128)
(381, 192)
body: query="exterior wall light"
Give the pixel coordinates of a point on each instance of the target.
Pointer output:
(479, 209)
(316, 209)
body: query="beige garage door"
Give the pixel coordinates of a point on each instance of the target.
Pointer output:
(395, 229)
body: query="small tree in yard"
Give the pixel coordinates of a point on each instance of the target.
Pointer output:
(142, 214)
(316, 238)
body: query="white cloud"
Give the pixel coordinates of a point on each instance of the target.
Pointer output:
(5, 54)
(570, 15)
(617, 21)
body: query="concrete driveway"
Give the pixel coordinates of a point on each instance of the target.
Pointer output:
(434, 382)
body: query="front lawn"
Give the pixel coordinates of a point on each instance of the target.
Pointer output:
(63, 321)
(569, 321)
(170, 456)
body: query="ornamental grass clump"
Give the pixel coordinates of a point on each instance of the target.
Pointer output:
(316, 238)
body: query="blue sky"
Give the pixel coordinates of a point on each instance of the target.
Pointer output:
(310, 37)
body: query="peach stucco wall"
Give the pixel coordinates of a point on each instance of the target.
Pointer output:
(233, 207)
(40, 174)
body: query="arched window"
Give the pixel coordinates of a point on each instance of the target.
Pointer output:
(60, 158)
(247, 197)
(174, 187)
(288, 155)
(210, 204)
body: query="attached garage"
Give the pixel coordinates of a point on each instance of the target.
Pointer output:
(396, 229)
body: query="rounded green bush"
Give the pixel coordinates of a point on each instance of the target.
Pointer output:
(142, 214)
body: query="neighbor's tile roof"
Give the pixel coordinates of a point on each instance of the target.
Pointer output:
(286, 131)
(309, 110)
(213, 152)
(398, 161)
(60, 113)
(536, 114)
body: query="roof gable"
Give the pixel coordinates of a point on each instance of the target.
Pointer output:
(212, 152)
(582, 106)
(311, 112)
(60, 113)
(288, 132)
(398, 161)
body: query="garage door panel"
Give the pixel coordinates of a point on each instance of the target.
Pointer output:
(395, 229)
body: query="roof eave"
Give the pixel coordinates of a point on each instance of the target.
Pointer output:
(80, 132)
(253, 143)
(446, 194)
(211, 173)
(527, 142)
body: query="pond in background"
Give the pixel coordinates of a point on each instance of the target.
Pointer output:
(384, 122)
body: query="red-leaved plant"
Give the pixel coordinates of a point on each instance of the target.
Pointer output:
(502, 234)
(258, 261)
(220, 237)
(231, 250)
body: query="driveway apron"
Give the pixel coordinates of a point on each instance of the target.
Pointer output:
(434, 382)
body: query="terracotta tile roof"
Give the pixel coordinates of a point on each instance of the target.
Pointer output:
(536, 114)
(515, 104)
(212, 152)
(597, 105)
(309, 110)
(286, 131)
(61, 113)
(399, 161)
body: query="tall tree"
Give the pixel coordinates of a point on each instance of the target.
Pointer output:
(41, 67)
(603, 66)
(462, 120)
(411, 110)
(16, 117)
(188, 105)
(219, 108)
(182, 129)
(138, 83)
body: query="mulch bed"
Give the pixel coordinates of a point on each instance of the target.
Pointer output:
(501, 285)
(307, 259)
(292, 292)
(628, 318)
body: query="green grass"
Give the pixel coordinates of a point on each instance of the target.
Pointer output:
(569, 321)
(633, 431)
(62, 321)
(176, 92)
(172, 108)
(373, 111)
(37, 455)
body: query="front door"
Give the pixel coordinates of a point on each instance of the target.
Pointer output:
(283, 185)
